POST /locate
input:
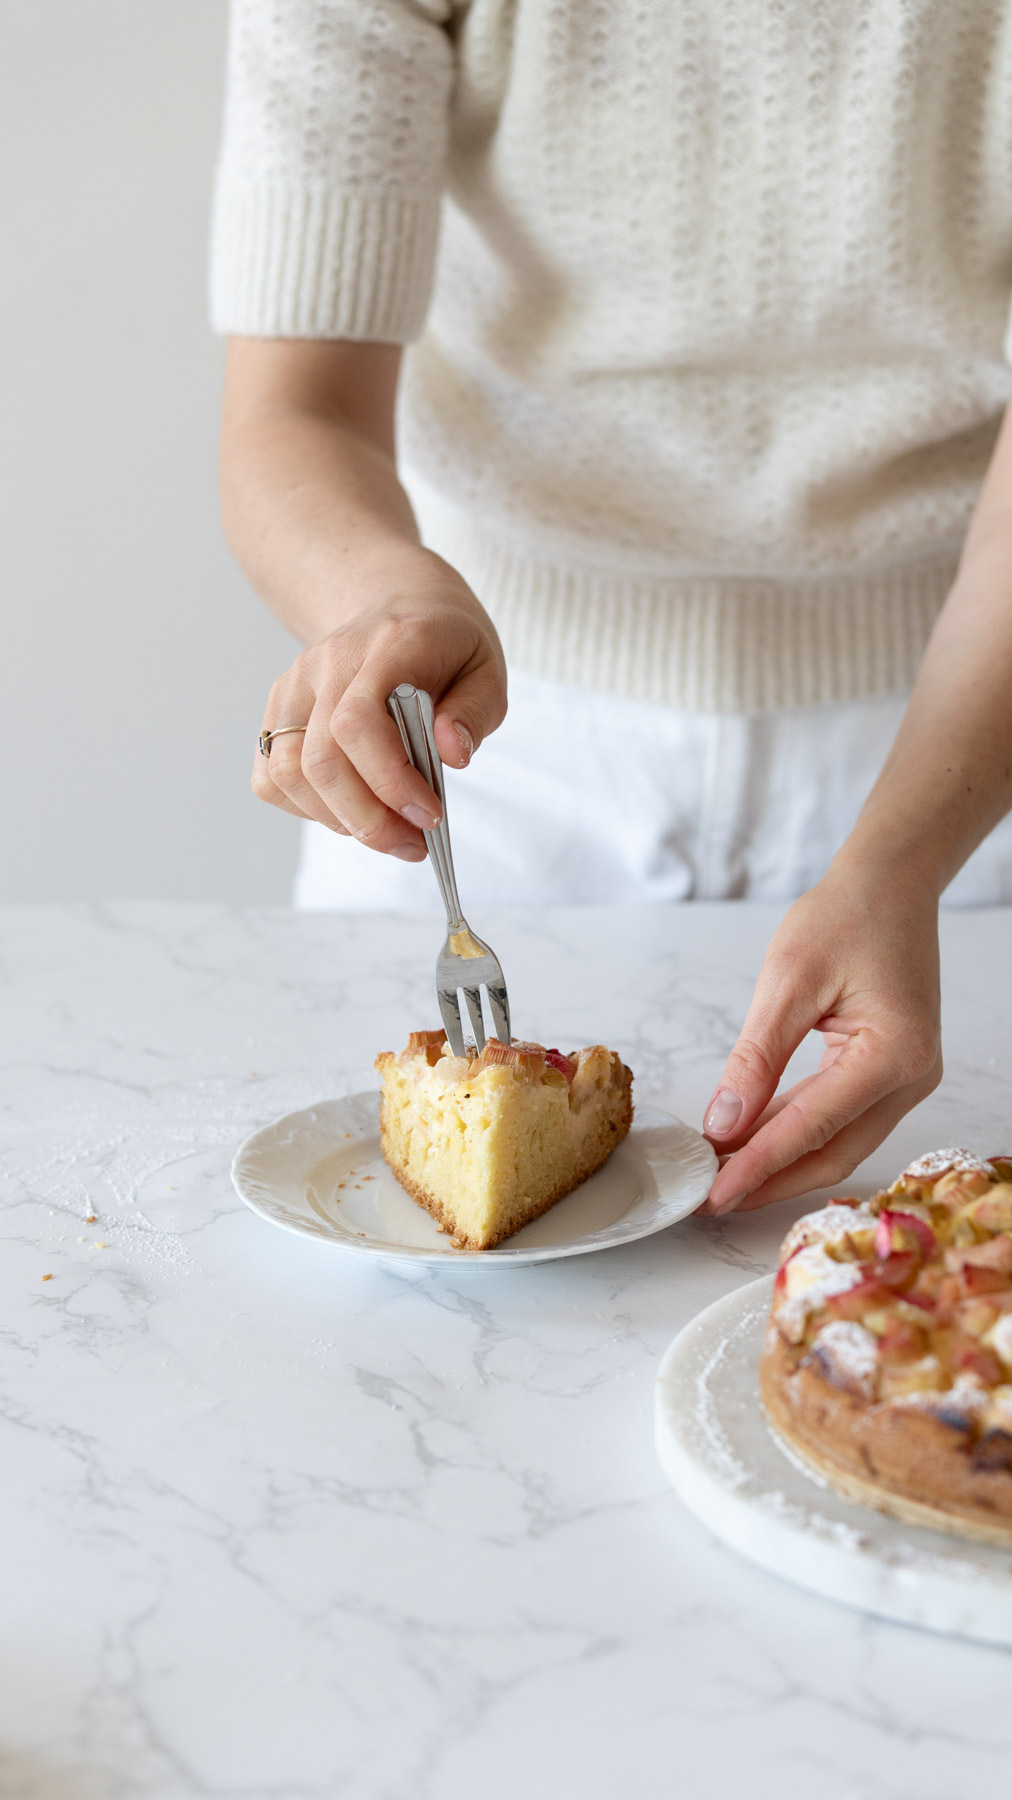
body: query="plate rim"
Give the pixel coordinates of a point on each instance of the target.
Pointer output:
(500, 1256)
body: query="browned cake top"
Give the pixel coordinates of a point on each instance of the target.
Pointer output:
(907, 1299)
(527, 1061)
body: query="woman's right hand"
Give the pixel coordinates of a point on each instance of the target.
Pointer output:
(419, 622)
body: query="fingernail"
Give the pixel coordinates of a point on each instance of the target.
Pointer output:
(466, 740)
(728, 1206)
(420, 816)
(724, 1114)
(409, 852)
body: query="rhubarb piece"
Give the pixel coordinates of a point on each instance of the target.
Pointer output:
(903, 1341)
(976, 1317)
(780, 1280)
(428, 1044)
(895, 1230)
(898, 1269)
(992, 1211)
(996, 1253)
(976, 1359)
(525, 1059)
(975, 1280)
(858, 1299)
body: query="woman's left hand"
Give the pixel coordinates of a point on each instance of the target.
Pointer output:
(856, 958)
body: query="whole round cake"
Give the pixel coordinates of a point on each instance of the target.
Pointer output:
(887, 1364)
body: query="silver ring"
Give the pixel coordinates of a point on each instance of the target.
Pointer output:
(267, 737)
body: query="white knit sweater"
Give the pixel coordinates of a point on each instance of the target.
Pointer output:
(707, 302)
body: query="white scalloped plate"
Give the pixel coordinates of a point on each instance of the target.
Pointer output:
(727, 1467)
(320, 1173)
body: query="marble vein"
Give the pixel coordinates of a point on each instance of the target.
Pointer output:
(279, 1526)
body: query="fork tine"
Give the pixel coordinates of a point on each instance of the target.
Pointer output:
(473, 997)
(449, 1008)
(500, 1008)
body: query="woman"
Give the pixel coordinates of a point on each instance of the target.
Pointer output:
(700, 429)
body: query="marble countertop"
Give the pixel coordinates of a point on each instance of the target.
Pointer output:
(282, 1524)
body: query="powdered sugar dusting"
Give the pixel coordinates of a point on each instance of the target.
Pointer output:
(733, 1471)
(822, 1227)
(829, 1278)
(938, 1162)
(965, 1396)
(717, 1418)
(851, 1353)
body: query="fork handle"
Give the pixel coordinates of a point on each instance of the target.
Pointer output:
(411, 709)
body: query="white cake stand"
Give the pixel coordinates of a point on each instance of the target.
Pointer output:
(726, 1466)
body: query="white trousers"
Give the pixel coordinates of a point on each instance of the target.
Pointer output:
(583, 797)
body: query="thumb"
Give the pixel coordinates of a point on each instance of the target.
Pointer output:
(472, 708)
(777, 1020)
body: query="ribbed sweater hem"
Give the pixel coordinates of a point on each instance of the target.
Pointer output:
(307, 262)
(698, 642)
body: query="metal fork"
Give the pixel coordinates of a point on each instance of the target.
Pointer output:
(464, 961)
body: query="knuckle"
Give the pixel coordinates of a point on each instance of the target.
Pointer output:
(388, 786)
(351, 718)
(817, 1128)
(271, 795)
(388, 634)
(929, 1080)
(751, 1059)
(319, 764)
(373, 835)
(835, 1166)
(284, 767)
(917, 1057)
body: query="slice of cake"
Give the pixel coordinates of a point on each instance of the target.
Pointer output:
(486, 1143)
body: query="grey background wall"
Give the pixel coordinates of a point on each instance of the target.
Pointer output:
(135, 659)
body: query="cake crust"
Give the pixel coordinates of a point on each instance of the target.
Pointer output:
(899, 1461)
(887, 1363)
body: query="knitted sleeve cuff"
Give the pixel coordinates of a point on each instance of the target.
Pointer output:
(310, 262)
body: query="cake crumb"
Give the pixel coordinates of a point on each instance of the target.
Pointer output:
(47, 1278)
(91, 1218)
